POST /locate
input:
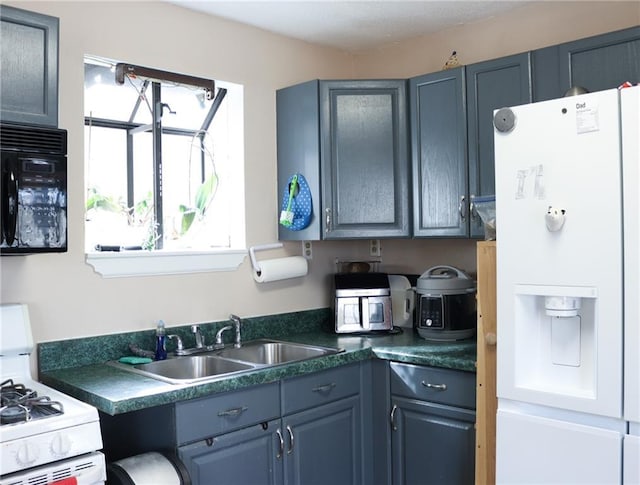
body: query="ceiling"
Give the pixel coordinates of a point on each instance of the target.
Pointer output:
(353, 25)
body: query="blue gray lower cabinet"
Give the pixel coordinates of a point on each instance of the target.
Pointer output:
(316, 441)
(432, 421)
(371, 423)
(303, 430)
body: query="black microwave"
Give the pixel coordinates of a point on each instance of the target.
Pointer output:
(33, 189)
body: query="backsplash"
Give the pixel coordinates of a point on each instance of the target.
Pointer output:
(64, 354)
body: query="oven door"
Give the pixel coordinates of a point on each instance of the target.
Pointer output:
(88, 469)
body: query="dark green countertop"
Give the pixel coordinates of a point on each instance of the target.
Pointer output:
(115, 391)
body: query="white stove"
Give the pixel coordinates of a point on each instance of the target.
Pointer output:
(45, 435)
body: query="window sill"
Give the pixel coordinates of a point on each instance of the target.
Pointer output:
(147, 263)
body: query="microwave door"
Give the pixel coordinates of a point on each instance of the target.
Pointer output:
(9, 200)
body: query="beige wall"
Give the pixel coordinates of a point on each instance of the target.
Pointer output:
(67, 299)
(531, 26)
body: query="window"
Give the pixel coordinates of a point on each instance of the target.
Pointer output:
(164, 164)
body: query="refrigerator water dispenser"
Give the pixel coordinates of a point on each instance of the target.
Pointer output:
(555, 347)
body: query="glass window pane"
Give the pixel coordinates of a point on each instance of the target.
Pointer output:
(104, 98)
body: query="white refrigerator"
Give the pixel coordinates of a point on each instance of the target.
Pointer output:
(568, 297)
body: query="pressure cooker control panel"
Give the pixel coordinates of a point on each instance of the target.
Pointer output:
(430, 312)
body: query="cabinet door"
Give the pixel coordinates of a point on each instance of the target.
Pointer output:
(431, 443)
(438, 152)
(365, 164)
(595, 63)
(250, 455)
(29, 74)
(490, 85)
(324, 445)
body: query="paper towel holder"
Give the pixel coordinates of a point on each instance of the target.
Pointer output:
(260, 247)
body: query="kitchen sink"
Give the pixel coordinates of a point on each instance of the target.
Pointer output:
(267, 352)
(228, 361)
(185, 370)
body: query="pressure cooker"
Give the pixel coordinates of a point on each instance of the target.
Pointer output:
(445, 304)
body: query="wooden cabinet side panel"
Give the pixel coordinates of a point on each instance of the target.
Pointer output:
(486, 401)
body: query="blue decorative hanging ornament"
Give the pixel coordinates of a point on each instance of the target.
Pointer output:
(296, 204)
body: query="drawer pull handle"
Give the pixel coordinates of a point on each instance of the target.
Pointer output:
(435, 387)
(281, 448)
(325, 388)
(393, 418)
(233, 412)
(290, 450)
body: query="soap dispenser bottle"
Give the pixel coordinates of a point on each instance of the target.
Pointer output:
(161, 347)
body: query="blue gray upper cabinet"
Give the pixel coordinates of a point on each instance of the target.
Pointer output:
(438, 120)
(491, 85)
(595, 63)
(29, 73)
(349, 139)
(365, 162)
(298, 140)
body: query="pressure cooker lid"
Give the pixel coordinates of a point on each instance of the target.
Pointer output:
(444, 279)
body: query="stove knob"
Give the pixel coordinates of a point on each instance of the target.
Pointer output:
(27, 454)
(60, 445)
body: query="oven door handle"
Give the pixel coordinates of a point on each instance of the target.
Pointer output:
(10, 204)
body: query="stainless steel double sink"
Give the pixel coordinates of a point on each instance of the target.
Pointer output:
(227, 361)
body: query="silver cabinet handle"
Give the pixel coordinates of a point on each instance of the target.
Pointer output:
(462, 208)
(393, 418)
(436, 387)
(472, 209)
(281, 439)
(233, 412)
(290, 450)
(327, 213)
(325, 388)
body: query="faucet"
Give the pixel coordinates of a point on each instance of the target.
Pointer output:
(219, 343)
(195, 329)
(236, 324)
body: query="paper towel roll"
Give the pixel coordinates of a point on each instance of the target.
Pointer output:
(281, 269)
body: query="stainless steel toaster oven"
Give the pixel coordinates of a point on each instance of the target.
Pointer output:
(362, 302)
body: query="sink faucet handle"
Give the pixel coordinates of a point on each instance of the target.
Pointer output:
(179, 344)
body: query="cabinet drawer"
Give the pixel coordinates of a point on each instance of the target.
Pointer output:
(209, 416)
(444, 386)
(319, 388)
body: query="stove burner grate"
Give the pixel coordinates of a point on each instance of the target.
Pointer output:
(19, 404)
